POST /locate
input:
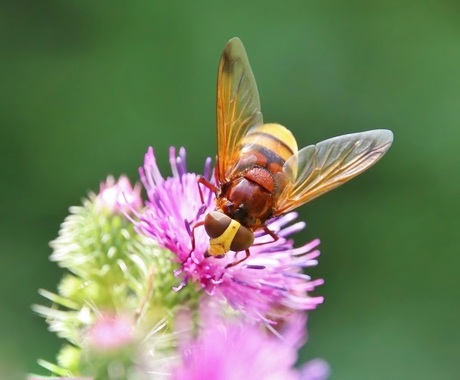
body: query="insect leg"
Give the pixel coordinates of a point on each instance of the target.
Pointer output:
(239, 261)
(269, 232)
(208, 184)
(199, 224)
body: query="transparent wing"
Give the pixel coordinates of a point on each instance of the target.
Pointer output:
(238, 106)
(319, 168)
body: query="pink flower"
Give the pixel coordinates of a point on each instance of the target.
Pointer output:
(315, 369)
(263, 286)
(239, 348)
(110, 332)
(119, 196)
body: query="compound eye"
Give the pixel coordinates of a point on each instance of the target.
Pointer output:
(216, 223)
(243, 239)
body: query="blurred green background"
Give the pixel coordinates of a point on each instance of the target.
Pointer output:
(87, 86)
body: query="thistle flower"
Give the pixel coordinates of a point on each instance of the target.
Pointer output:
(118, 311)
(238, 348)
(119, 196)
(268, 282)
(117, 290)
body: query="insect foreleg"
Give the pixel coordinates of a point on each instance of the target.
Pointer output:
(271, 233)
(199, 224)
(268, 231)
(208, 184)
(239, 261)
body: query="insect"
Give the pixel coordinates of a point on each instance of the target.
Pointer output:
(260, 173)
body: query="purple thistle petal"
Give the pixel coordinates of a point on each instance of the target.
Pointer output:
(207, 171)
(316, 369)
(227, 348)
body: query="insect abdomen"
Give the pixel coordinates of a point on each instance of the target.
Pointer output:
(271, 145)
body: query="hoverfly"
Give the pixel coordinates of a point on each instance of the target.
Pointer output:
(260, 173)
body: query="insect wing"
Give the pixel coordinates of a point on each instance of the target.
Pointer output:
(319, 168)
(238, 106)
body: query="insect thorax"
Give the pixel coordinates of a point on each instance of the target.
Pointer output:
(249, 198)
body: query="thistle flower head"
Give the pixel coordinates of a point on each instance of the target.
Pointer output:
(239, 348)
(118, 311)
(118, 288)
(119, 196)
(270, 280)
